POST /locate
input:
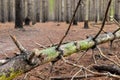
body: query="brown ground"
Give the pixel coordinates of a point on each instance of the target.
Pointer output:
(40, 33)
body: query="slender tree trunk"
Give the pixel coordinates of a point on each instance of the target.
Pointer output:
(0, 11)
(34, 11)
(4, 10)
(11, 12)
(43, 11)
(112, 10)
(119, 10)
(97, 5)
(68, 11)
(26, 8)
(29, 13)
(62, 10)
(18, 14)
(38, 10)
(86, 26)
(57, 12)
(73, 10)
(51, 9)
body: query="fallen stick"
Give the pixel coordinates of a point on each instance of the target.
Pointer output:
(77, 77)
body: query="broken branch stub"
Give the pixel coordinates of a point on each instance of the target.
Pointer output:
(18, 44)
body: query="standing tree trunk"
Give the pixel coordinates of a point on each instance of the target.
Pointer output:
(51, 9)
(11, 12)
(112, 10)
(97, 16)
(18, 14)
(57, 12)
(62, 10)
(68, 11)
(0, 11)
(38, 10)
(4, 10)
(43, 11)
(34, 12)
(86, 26)
(119, 10)
(73, 10)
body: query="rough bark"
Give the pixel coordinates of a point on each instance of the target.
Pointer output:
(28, 60)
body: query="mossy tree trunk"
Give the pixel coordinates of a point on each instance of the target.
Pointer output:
(28, 60)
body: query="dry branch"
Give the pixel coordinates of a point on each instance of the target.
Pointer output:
(77, 77)
(113, 69)
(26, 62)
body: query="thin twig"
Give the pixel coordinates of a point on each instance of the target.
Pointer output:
(76, 74)
(77, 77)
(116, 22)
(50, 40)
(41, 46)
(25, 77)
(92, 72)
(93, 56)
(103, 24)
(101, 53)
(117, 59)
(69, 25)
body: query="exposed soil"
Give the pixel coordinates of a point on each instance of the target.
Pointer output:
(41, 33)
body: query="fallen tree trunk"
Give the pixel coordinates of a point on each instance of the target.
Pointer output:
(28, 60)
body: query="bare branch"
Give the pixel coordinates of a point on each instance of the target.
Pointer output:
(103, 24)
(92, 72)
(101, 53)
(116, 22)
(77, 77)
(41, 46)
(108, 68)
(69, 25)
(18, 44)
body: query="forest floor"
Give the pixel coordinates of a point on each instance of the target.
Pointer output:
(42, 33)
